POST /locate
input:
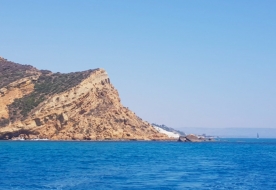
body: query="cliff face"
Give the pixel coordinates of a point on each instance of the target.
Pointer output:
(74, 106)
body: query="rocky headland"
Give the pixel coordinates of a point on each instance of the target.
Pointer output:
(39, 104)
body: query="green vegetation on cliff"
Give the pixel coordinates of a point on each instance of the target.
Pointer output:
(10, 72)
(46, 85)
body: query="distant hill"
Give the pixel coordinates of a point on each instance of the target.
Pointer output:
(168, 129)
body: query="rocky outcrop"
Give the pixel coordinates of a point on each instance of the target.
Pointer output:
(193, 138)
(169, 129)
(77, 106)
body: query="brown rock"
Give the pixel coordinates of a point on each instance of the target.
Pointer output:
(190, 138)
(90, 110)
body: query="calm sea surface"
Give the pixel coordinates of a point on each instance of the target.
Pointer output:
(232, 164)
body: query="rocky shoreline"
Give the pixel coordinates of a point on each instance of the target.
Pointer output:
(187, 138)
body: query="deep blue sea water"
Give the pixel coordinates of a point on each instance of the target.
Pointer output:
(232, 164)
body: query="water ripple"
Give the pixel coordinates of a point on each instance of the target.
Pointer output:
(138, 165)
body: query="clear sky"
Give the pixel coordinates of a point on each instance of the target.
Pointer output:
(189, 63)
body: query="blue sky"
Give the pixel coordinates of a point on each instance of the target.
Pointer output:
(204, 64)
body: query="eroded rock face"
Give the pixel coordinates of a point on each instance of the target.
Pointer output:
(15, 90)
(91, 110)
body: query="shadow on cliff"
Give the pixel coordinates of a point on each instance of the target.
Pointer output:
(10, 135)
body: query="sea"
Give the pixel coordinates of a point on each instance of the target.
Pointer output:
(76, 165)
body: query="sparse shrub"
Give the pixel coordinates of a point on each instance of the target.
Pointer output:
(46, 86)
(4, 122)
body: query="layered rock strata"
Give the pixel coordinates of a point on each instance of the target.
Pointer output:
(44, 106)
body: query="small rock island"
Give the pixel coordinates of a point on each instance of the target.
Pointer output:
(194, 138)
